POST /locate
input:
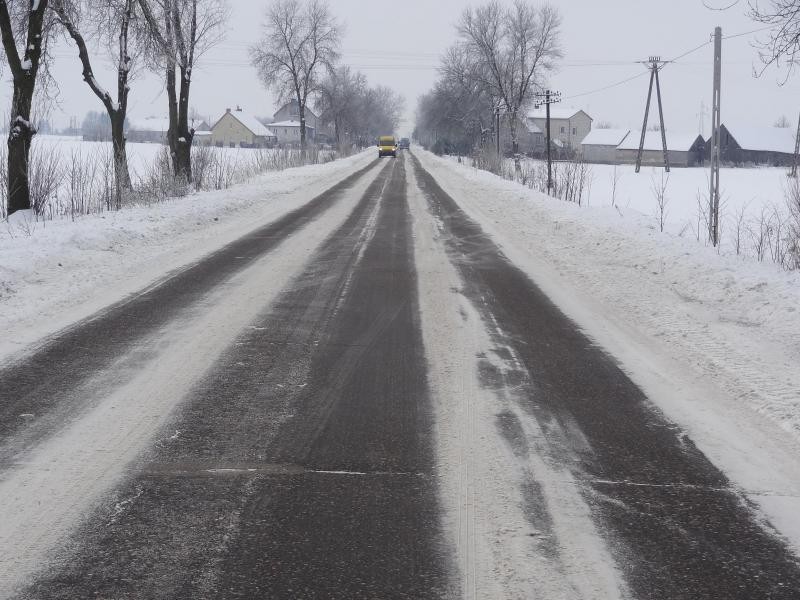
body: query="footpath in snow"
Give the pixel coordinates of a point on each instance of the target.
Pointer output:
(54, 273)
(714, 341)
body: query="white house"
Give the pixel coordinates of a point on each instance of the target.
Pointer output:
(288, 132)
(569, 125)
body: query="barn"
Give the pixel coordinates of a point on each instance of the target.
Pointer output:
(600, 145)
(741, 145)
(684, 149)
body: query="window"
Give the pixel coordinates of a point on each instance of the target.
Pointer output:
(574, 131)
(563, 130)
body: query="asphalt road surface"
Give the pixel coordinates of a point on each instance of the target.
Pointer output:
(242, 431)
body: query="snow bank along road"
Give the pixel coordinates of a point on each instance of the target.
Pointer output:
(362, 399)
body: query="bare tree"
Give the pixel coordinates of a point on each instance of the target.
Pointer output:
(300, 40)
(659, 187)
(181, 31)
(514, 48)
(114, 23)
(22, 20)
(782, 122)
(339, 97)
(782, 17)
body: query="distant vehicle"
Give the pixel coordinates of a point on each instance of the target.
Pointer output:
(387, 146)
(404, 144)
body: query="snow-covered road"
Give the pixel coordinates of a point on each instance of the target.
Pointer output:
(393, 379)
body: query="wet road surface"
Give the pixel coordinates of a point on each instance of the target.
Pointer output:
(303, 463)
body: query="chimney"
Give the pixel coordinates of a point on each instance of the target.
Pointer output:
(238, 108)
(227, 110)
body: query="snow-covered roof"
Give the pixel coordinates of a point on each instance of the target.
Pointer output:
(764, 139)
(253, 124)
(159, 124)
(556, 112)
(652, 141)
(288, 124)
(605, 137)
(533, 127)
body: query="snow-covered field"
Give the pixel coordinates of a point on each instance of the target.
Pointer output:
(71, 178)
(714, 340)
(749, 198)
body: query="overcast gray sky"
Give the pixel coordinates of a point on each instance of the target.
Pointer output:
(398, 44)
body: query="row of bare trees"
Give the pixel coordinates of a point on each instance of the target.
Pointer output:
(501, 59)
(298, 58)
(166, 36)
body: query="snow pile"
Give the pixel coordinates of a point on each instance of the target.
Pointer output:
(54, 272)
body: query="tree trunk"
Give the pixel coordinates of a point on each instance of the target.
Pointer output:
(172, 131)
(122, 176)
(24, 72)
(512, 128)
(183, 144)
(302, 109)
(20, 134)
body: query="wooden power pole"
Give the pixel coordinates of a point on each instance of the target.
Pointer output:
(796, 151)
(655, 64)
(713, 193)
(547, 98)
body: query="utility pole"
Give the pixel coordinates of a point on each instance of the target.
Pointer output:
(547, 98)
(497, 127)
(655, 65)
(713, 193)
(796, 151)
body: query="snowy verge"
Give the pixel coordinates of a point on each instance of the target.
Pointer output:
(714, 341)
(54, 273)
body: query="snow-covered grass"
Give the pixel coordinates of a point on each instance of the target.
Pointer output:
(55, 272)
(754, 215)
(71, 178)
(714, 340)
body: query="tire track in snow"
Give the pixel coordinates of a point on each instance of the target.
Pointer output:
(519, 522)
(43, 390)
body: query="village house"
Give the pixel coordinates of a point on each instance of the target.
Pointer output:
(239, 129)
(288, 132)
(568, 125)
(741, 145)
(683, 150)
(600, 146)
(290, 112)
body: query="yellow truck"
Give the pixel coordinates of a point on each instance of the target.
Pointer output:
(387, 146)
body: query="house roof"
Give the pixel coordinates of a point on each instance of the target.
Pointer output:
(605, 137)
(652, 141)
(764, 139)
(533, 127)
(294, 104)
(289, 124)
(249, 121)
(158, 124)
(556, 112)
